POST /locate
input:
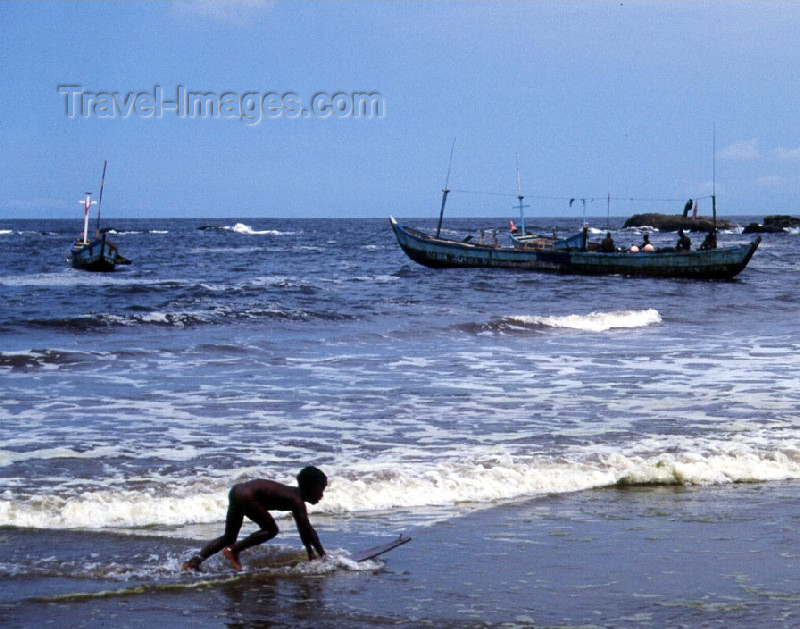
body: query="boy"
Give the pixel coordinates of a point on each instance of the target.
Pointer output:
(253, 499)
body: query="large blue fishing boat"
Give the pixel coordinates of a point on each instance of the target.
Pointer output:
(573, 255)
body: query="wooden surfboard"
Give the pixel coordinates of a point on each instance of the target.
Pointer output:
(282, 559)
(371, 553)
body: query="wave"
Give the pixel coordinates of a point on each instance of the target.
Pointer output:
(595, 321)
(505, 478)
(592, 322)
(183, 319)
(95, 321)
(128, 232)
(241, 228)
(372, 487)
(733, 230)
(72, 277)
(641, 230)
(44, 358)
(26, 232)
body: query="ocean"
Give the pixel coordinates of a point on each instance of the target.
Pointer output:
(571, 451)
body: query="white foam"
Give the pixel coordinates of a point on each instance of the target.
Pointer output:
(596, 321)
(491, 476)
(735, 229)
(73, 277)
(107, 508)
(502, 477)
(382, 279)
(241, 228)
(7, 457)
(640, 230)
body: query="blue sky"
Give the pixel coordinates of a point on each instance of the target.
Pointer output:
(592, 98)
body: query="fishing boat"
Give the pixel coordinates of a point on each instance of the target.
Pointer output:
(97, 253)
(574, 254)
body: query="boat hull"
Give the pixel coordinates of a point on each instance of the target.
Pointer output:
(97, 255)
(721, 263)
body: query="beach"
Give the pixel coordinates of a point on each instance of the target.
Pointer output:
(616, 557)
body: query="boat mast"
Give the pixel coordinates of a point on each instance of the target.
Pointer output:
(445, 190)
(585, 227)
(714, 177)
(100, 202)
(87, 203)
(521, 207)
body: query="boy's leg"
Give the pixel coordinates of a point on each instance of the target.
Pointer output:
(233, 524)
(268, 530)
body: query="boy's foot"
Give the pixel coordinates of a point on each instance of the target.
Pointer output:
(230, 556)
(192, 564)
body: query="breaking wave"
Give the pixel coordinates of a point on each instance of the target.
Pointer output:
(592, 322)
(183, 319)
(595, 321)
(476, 479)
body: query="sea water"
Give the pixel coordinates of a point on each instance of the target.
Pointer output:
(234, 349)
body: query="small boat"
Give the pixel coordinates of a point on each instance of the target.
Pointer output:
(98, 253)
(572, 255)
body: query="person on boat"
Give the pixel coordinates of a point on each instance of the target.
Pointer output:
(646, 244)
(684, 242)
(253, 499)
(710, 241)
(607, 244)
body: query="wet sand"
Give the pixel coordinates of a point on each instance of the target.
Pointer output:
(635, 557)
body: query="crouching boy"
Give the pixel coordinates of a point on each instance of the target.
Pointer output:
(253, 500)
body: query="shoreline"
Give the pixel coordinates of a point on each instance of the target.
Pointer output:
(636, 556)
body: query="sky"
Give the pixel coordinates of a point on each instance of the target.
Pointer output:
(649, 102)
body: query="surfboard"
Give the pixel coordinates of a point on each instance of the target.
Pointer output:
(281, 559)
(371, 553)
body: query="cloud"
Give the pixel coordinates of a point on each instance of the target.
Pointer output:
(234, 13)
(787, 155)
(740, 151)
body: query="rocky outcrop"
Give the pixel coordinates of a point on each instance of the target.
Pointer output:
(674, 222)
(774, 224)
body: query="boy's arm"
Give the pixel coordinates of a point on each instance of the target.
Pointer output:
(308, 535)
